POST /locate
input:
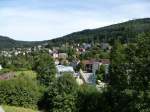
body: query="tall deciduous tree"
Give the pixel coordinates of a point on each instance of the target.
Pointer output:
(45, 68)
(61, 95)
(118, 66)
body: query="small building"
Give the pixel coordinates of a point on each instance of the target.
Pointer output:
(61, 70)
(62, 55)
(86, 45)
(92, 66)
(88, 78)
(57, 62)
(105, 46)
(55, 55)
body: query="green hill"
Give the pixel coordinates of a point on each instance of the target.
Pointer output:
(125, 31)
(6, 42)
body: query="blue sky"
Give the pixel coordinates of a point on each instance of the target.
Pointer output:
(46, 19)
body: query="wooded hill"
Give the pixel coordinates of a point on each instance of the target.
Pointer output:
(126, 31)
(6, 42)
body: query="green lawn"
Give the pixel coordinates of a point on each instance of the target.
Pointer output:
(16, 109)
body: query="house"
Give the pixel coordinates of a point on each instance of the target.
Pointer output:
(92, 66)
(61, 70)
(88, 78)
(105, 46)
(86, 46)
(62, 55)
(57, 62)
(80, 50)
(74, 63)
(55, 55)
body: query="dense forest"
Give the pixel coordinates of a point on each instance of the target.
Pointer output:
(125, 32)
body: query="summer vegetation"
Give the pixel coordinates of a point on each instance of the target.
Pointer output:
(35, 85)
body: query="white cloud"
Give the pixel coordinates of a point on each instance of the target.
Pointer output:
(45, 24)
(25, 23)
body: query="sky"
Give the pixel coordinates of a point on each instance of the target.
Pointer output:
(36, 20)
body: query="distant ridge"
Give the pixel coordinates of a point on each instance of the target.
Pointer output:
(6, 42)
(126, 31)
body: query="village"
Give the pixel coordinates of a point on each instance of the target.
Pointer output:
(78, 60)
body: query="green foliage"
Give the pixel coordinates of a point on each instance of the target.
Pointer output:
(20, 62)
(101, 73)
(125, 32)
(139, 58)
(62, 94)
(45, 68)
(130, 72)
(118, 73)
(6, 42)
(22, 91)
(5, 70)
(94, 53)
(91, 100)
(30, 74)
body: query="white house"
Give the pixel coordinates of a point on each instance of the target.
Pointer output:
(61, 70)
(55, 55)
(88, 78)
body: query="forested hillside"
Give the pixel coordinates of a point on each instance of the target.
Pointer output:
(6, 42)
(126, 32)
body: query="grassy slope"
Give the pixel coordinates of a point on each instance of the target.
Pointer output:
(30, 74)
(16, 109)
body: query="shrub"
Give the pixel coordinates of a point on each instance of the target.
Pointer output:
(20, 92)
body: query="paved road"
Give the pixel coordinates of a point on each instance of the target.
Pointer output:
(1, 109)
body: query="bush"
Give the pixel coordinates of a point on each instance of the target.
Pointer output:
(20, 92)
(45, 68)
(61, 95)
(91, 100)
